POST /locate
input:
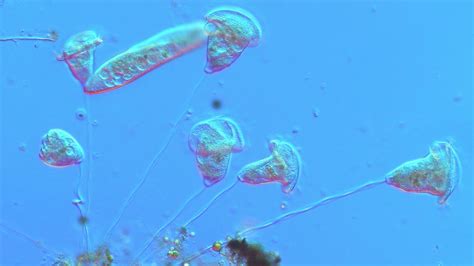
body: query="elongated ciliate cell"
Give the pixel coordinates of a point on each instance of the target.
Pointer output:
(146, 56)
(437, 173)
(282, 166)
(134, 62)
(213, 141)
(60, 149)
(230, 31)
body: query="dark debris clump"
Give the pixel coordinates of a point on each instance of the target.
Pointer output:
(242, 252)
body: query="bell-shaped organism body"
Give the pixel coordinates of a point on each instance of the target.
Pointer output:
(213, 141)
(438, 173)
(60, 149)
(283, 166)
(230, 31)
(79, 54)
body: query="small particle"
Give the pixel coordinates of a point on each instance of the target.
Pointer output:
(183, 231)
(457, 98)
(402, 124)
(369, 164)
(192, 234)
(283, 205)
(35, 45)
(22, 147)
(173, 253)
(77, 202)
(83, 220)
(166, 239)
(95, 123)
(53, 35)
(295, 130)
(316, 112)
(177, 242)
(216, 104)
(323, 86)
(189, 113)
(217, 246)
(81, 114)
(307, 77)
(220, 83)
(373, 9)
(186, 264)
(349, 59)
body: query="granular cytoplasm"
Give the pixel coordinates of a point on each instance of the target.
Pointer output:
(213, 141)
(60, 149)
(437, 173)
(283, 166)
(231, 31)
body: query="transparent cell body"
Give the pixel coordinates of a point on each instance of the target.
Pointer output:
(213, 141)
(437, 173)
(60, 149)
(231, 31)
(78, 54)
(282, 166)
(146, 56)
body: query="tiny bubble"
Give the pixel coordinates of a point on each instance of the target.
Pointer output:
(81, 114)
(283, 205)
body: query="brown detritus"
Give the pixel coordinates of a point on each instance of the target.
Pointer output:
(251, 254)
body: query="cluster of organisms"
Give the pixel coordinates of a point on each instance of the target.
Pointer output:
(227, 33)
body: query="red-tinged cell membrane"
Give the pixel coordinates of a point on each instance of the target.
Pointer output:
(231, 30)
(146, 56)
(438, 173)
(282, 166)
(60, 149)
(213, 141)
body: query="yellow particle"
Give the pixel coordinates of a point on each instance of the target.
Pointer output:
(217, 246)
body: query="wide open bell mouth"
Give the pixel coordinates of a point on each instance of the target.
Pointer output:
(292, 160)
(217, 133)
(81, 42)
(438, 173)
(445, 154)
(230, 31)
(213, 141)
(282, 166)
(236, 19)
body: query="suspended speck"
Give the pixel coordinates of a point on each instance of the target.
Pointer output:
(22, 147)
(95, 123)
(316, 112)
(323, 86)
(81, 114)
(457, 98)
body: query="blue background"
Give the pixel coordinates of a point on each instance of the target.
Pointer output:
(387, 79)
